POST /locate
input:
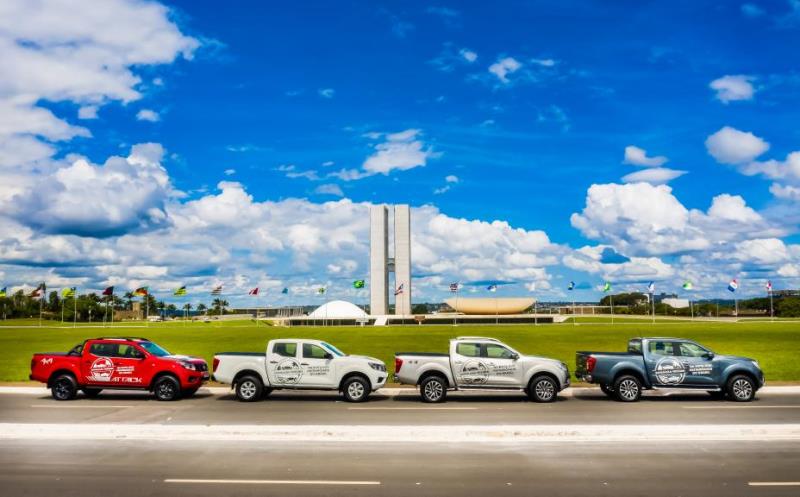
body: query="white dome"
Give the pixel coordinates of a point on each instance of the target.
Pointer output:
(338, 309)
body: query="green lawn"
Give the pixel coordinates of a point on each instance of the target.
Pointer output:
(776, 345)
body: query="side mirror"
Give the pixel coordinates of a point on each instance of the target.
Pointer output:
(514, 356)
(328, 355)
(709, 355)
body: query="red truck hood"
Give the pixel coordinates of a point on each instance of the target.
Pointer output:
(192, 359)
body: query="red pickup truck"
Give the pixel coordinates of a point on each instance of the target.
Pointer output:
(119, 363)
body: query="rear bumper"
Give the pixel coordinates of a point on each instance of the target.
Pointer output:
(585, 377)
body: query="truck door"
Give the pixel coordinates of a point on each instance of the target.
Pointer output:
(664, 364)
(283, 368)
(108, 364)
(317, 366)
(503, 367)
(698, 363)
(469, 368)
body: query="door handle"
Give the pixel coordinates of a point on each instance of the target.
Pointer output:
(304, 364)
(273, 362)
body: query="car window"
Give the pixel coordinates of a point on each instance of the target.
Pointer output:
(154, 349)
(658, 347)
(497, 352)
(311, 351)
(129, 351)
(635, 346)
(468, 349)
(689, 349)
(76, 350)
(285, 349)
(104, 349)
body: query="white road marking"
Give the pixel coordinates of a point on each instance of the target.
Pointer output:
(774, 483)
(272, 482)
(80, 406)
(412, 408)
(741, 407)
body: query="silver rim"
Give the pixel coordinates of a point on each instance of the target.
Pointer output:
(355, 390)
(433, 390)
(628, 389)
(545, 390)
(742, 389)
(247, 390)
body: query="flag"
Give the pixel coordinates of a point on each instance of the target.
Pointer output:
(285, 291)
(141, 292)
(217, 290)
(68, 292)
(254, 291)
(687, 285)
(108, 291)
(399, 290)
(180, 292)
(571, 285)
(768, 287)
(358, 284)
(733, 285)
(3, 292)
(651, 287)
(40, 291)
(454, 287)
(607, 286)
(492, 288)
(321, 290)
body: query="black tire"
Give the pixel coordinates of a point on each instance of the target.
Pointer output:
(64, 387)
(741, 388)
(607, 390)
(433, 389)
(188, 393)
(543, 389)
(92, 392)
(167, 389)
(627, 388)
(356, 389)
(717, 394)
(249, 388)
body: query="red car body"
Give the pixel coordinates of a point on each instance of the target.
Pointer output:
(119, 363)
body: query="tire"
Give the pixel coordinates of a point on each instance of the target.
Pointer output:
(607, 390)
(433, 389)
(92, 392)
(741, 388)
(543, 389)
(356, 389)
(167, 389)
(627, 388)
(64, 387)
(249, 388)
(188, 393)
(717, 394)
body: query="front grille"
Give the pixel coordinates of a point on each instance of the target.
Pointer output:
(201, 366)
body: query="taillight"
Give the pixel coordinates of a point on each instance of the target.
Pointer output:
(590, 363)
(33, 364)
(216, 363)
(398, 363)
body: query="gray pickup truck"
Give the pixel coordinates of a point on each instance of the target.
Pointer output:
(655, 363)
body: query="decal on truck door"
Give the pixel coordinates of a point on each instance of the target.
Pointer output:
(288, 372)
(102, 370)
(670, 371)
(474, 372)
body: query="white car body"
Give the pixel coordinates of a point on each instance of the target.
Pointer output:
(299, 364)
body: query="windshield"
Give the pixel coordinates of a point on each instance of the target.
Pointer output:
(154, 349)
(333, 349)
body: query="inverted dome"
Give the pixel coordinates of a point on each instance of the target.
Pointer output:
(502, 305)
(338, 309)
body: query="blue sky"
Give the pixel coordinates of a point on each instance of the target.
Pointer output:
(500, 124)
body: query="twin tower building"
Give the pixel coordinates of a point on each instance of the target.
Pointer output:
(381, 263)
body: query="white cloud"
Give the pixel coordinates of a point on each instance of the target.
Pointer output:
(731, 146)
(399, 151)
(451, 178)
(326, 92)
(148, 115)
(653, 175)
(733, 88)
(638, 157)
(785, 191)
(732, 208)
(87, 112)
(329, 189)
(230, 172)
(544, 62)
(503, 67)
(468, 55)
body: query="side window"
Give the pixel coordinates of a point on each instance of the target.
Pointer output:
(129, 352)
(285, 349)
(104, 349)
(658, 347)
(497, 352)
(635, 346)
(76, 350)
(692, 350)
(311, 351)
(468, 349)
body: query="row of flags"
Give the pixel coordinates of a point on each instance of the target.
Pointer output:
(733, 285)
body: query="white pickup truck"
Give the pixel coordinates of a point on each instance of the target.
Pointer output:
(300, 365)
(478, 363)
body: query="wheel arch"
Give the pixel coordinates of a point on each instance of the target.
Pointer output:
(627, 371)
(59, 372)
(162, 374)
(739, 371)
(247, 372)
(354, 374)
(539, 374)
(434, 372)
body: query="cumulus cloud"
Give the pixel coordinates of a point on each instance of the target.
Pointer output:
(326, 92)
(468, 55)
(399, 151)
(654, 176)
(503, 67)
(329, 189)
(148, 115)
(638, 157)
(731, 146)
(733, 88)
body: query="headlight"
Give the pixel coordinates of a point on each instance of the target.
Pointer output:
(755, 363)
(377, 366)
(188, 365)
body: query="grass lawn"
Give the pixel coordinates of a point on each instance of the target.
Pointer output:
(776, 345)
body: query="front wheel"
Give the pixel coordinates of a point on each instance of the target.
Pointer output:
(741, 388)
(627, 388)
(433, 389)
(249, 389)
(356, 389)
(64, 387)
(543, 389)
(167, 389)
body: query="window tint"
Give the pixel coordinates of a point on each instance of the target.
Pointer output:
(285, 349)
(468, 349)
(76, 350)
(312, 351)
(662, 348)
(497, 352)
(692, 350)
(104, 349)
(129, 352)
(635, 346)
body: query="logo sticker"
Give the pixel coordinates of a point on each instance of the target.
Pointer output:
(288, 372)
(47, 361)
(102, 369)
(474, 373)
(670, 371)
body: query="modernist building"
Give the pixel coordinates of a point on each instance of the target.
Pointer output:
(381, 264)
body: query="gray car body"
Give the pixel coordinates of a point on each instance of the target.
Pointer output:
(710, 372)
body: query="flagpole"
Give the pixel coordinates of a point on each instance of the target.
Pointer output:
(574, 312)
(41, 301)
(653, 303)
(75, 309)
(455, 314)
(771, 311)
(611, 300)
(62, 310)
(691, 309)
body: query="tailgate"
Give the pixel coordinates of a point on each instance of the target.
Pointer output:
(580, 363)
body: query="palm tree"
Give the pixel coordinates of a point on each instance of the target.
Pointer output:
(129, 300)
(201, 307)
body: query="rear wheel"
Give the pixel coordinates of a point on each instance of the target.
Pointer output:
(356, 389)
(249, 389)
(627, 388)
(543, 389)
(167, 389)
(741, 388)
(64, 387)
(433, 389)
(92, 392)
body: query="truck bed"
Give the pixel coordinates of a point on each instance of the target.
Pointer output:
(422, 354)
(241, 353)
